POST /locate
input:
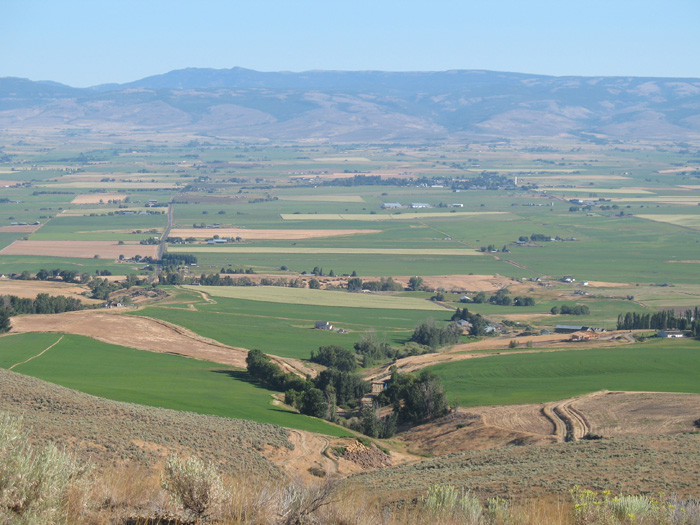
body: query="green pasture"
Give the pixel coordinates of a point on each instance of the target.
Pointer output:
(288, 329)
(658, 366)
(31, 263)
(147, 378)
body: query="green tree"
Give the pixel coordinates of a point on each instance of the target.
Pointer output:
(4, 320)
(313, 403)
(415, 283)
(354, 284)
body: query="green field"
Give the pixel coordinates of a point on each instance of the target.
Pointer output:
(288, 330)
(146, 378)
(657, 366)
(277, 294)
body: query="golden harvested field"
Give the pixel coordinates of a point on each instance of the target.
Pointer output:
(609, 414)
(639, 413)
(322, 198)
(30, 289)
(476, 283)
(113, 185)
(293, 249)
(247, 234)
(80, 249)
(687, 221)
(97, 198)
(276, 294)
(133, 331)
(25, 228)
(408, 215)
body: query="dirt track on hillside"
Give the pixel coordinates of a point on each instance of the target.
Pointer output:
(599, 414)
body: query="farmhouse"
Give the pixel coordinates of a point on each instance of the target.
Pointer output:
(568, 279)
(583, 336)
(323, 325)
(571, 328)
(670, 334)
(420, 205)
(391, 205)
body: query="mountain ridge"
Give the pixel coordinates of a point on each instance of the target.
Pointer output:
(362, 105)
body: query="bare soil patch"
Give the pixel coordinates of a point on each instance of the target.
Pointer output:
(98, 198)
(80, 249)
(30, 289)
(247, 234)
(25, 228)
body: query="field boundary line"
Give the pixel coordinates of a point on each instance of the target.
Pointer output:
(39, 354)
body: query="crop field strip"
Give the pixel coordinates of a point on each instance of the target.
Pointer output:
(407, 216)
(307, 296)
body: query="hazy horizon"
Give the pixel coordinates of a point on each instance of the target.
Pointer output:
(81, 43)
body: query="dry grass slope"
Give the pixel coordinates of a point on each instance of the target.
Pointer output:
(112, 433)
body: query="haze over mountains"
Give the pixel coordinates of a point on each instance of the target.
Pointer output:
(362, 106)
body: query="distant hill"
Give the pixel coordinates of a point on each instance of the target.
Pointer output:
(363, 105)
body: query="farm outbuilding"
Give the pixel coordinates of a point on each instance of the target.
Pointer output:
(323, 325)
(670, 334)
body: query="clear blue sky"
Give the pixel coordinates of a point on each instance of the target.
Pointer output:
(89, 42)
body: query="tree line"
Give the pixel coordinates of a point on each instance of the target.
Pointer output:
(663, 320)
(43, 303)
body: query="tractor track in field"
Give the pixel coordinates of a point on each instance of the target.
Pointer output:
(569, 423)
(37, 355)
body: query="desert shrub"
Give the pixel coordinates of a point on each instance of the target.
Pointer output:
(298, 502)
(194, 485)
(591, 507)
(446, 502)
(35, 486)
